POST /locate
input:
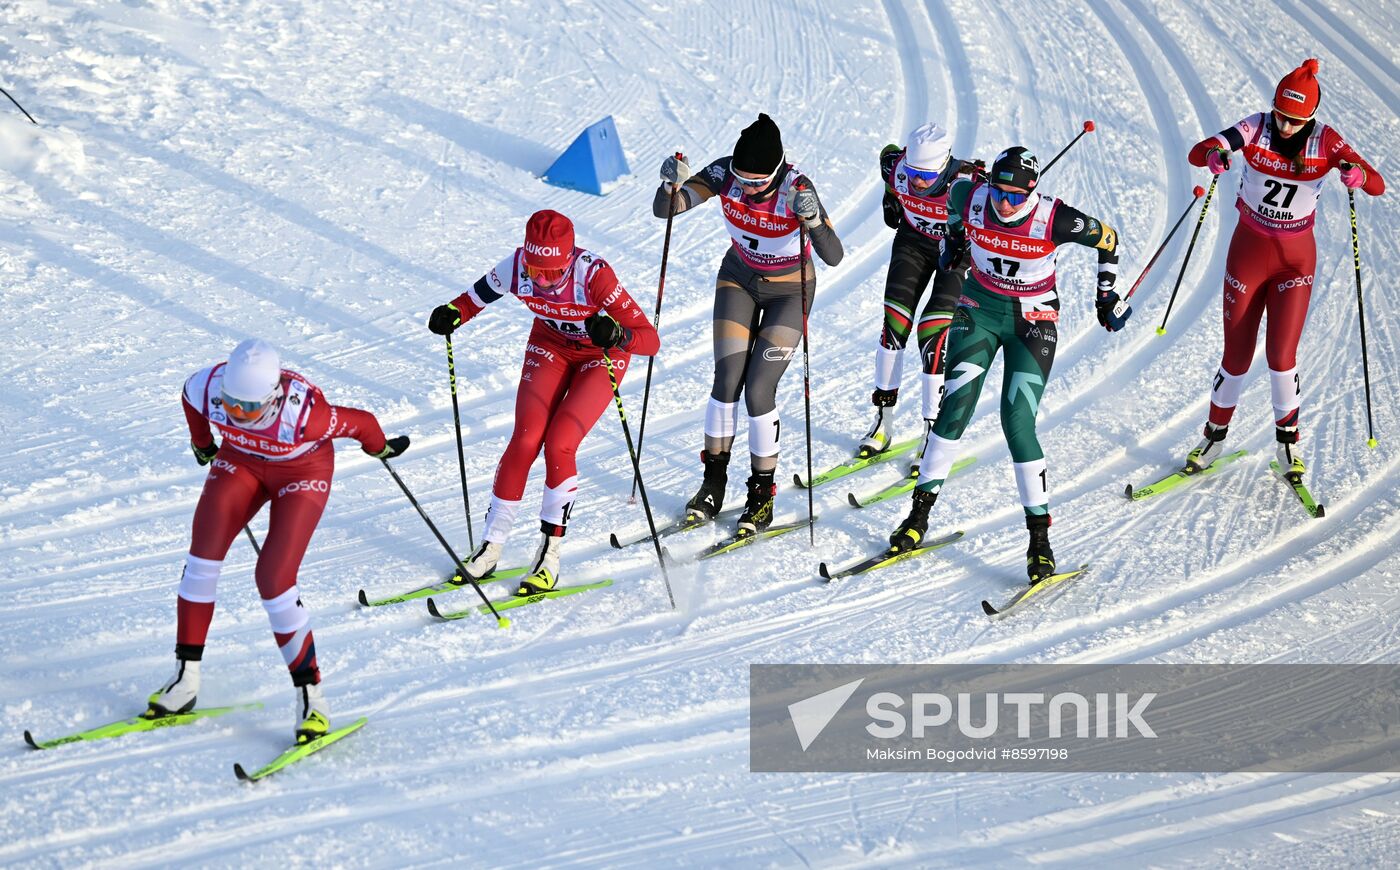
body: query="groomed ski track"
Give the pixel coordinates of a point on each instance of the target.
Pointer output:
(205, 173)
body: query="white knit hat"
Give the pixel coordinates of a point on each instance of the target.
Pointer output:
(254, 371)
(928, 148)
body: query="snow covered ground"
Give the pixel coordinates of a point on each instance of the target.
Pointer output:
(323, 173)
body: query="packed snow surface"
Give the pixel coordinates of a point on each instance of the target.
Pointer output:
(322, 174)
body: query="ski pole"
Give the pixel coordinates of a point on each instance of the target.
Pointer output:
(637, 471)
(806, 377)
(1197, 191)
(1088, 128)
(461, 459)
(1205, 206)
(501, 621)
(18, 106)
(655, 321)
(1361, 314)
(252, 540)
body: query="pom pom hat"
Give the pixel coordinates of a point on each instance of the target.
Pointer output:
(549, 241)
(1297, 94)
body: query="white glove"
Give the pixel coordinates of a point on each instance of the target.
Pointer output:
(803, 202)
(674, 171)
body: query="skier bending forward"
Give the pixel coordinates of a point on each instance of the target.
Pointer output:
(277, 429)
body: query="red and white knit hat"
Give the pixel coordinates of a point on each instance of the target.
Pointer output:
(1297, 94)
(549, 240)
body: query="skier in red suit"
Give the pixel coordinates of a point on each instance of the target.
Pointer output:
(277, 429)
(1287, 156)
(581, 313)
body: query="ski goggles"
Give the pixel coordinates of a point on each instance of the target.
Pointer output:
(758, 182)
(925, 177)
(1005, 196)
(245, 412)
(545, 277)
(1285, 122)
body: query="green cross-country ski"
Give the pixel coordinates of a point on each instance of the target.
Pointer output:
(1300, 489)
(444, 586)
(1177, 478)
(904, 484)
(138, 723)
(1039, 592)
(298, 752)
(742, 539)
(518, 601)
(887, 558)
(856, 463)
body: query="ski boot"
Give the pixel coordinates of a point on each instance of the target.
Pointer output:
(312, 713)
(178, 693)
(758, 510)
(877, 440)
(707, 502)
(480, 565)
(911, 532)
(1289, 462)
(545, 576)
(1209, 450)
(1040, 559)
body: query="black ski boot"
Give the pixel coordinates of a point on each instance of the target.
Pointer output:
(1040, 559)
(707, 502)
(911, 532)
(758, 509)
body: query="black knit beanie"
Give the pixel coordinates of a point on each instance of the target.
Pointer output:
(760, 147)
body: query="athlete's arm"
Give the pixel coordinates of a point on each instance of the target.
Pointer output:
(326, 421)
(824, 239)
(893, 211)
(201, 435)
(487, 289)
(1339, 151)
(1229, 140)
(696, 189)
(1073, 226)
(605, 292)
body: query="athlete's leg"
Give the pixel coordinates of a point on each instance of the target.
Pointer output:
(232, 495)
(909, 272)
(1290, 292)
(735, 322)
(544, 379)
(972, 345)
(933, 337)
(590, 393)
(300, 489)
(1246, 270)
(779, 334)
(1029, 354)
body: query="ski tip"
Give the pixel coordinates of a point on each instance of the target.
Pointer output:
(242, 774)
(612, 539)
(364, 599)
(797, 482)
(1321, 512)
(821, 569)
(851, 497)
(29, 738)
(432, 608)
(988, 609)
(1128, 491)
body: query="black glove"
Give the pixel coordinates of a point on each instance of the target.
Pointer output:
(204, 455)
(952, 253)
(606, 333)
(1113, 312)
(444, 319)
(393, 447)
(893, 211)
